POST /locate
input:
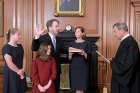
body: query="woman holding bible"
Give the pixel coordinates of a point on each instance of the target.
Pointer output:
(78, 53)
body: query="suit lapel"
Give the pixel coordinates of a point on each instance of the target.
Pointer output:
(52, 47)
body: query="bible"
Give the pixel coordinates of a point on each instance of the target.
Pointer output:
(106, 60)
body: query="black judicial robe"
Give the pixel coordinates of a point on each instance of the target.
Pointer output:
(125, 68)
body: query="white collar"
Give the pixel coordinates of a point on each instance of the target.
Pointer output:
(124, 37)
(51, 35)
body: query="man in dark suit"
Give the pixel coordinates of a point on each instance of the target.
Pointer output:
(125, 65)
(50, 38)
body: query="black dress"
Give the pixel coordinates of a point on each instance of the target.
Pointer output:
(79, 67)
(12, 81)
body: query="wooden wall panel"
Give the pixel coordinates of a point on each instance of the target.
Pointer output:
(25, 24)
(1, 17)
(137, 27)
(135, 1)
(28, 14)
(135, 20)
(8, 22)
(111, 11)
(19, 14)
(89, 21)
(114, 11)
(98, 20)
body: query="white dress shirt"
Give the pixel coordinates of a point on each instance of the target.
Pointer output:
(127, 35)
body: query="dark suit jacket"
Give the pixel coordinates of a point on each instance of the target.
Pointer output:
(125, 68)
(47, 39)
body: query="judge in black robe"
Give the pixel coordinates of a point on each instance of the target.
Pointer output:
(125, 65)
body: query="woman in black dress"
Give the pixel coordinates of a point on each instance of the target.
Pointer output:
(14, 79)
(78, 53)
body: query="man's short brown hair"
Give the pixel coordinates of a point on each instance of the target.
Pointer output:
(50, 22)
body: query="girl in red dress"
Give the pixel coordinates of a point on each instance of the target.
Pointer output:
(43, 71)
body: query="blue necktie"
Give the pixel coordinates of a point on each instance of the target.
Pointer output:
(54, 42)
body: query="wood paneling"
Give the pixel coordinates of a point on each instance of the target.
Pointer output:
(1, 17)
(25, 24)
(99, 17)
(28, 14)
(89, 21)
(135, 1)
(19, 14)
(135, 20)
(8, 22)
(114, 11)
(110, 12)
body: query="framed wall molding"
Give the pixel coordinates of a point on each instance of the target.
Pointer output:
(69, 8)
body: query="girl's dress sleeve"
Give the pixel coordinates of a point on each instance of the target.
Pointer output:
(34, 74)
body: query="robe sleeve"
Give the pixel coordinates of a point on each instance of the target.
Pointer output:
(89, 48)
(34, 74)
(88, 51)
(53, 70)
(35, 44)
(123, 67)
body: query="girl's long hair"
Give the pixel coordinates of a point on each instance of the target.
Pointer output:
(42, 53)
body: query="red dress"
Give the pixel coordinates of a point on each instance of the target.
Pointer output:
(41, 73)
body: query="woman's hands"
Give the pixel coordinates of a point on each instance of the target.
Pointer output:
(80, 51)
(71, 49)
(20, 72)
